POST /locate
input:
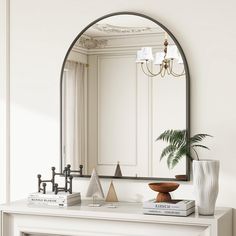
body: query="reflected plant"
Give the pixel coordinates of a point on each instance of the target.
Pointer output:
(180, 146)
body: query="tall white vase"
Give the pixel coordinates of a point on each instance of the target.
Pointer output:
(206, 185)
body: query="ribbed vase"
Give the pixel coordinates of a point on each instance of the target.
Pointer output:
(206, 185)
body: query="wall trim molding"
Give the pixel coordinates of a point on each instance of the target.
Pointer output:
(115, 49)
(119, 44)
(5, 87)
(99, 160)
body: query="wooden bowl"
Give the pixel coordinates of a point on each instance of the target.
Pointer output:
(163, 189)
(181, 177)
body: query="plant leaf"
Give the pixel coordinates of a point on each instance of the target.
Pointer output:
(167, 150)
(178, 156)
(175, 137)
(169, 160)
(202, 146)
(179, 146)
(198, 138)
(174, 162)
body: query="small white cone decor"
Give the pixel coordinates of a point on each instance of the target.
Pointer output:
(95, 189)
(118, 172)
(111, 195)
(206, 185)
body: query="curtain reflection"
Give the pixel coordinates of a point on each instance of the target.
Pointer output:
(75, 113)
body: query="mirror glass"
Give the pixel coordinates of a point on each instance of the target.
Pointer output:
(113, 108)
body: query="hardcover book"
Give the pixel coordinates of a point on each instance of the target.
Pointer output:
(65, 195)
(168, 212)
(173, 204)
(51, 199)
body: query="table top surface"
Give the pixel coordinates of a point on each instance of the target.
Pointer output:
(123, 211)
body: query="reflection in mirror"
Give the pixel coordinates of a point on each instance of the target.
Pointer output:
(124, 82)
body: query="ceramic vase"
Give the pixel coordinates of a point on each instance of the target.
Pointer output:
(206, 185)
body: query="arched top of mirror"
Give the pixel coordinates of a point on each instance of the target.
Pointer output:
(116, 112)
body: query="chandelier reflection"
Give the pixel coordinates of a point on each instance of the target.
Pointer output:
(167, 60)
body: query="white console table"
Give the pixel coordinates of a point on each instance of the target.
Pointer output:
(19, 219)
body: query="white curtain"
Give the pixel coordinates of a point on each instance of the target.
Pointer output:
(74, 113)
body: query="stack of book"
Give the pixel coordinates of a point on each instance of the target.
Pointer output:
(172, 208)
(61, 199)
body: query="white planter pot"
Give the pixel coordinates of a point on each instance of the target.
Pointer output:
(206, 185)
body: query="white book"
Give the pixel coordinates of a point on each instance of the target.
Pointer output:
(51, 199)
(168, 212)
(173, 204)
(54, 196)
(53, 202)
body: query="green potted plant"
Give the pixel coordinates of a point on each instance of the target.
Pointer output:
(179, 146)
(205, 172)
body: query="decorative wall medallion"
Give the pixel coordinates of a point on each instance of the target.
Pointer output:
(120, 29)
(90, 43)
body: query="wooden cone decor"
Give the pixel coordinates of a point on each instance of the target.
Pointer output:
(118, 170)
(111, 195)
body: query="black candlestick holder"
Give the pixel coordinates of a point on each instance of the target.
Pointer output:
(80, 171)
(42, 184)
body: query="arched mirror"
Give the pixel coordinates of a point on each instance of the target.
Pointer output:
(124, 81)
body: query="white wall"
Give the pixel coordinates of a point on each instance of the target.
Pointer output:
(4, 100)
(41, 32)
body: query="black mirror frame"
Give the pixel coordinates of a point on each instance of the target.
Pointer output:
(188, 161)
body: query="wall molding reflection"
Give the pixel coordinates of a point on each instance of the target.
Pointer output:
(91, 43)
